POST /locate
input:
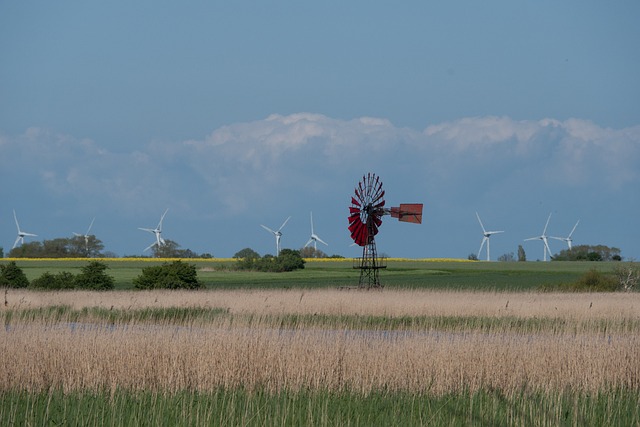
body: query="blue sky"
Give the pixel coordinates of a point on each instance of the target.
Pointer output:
(238, 114)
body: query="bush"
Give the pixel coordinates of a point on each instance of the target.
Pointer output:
(62, 280)
(174, 275)
(594, 281)
(93, 277)
(288, 260)
(12, 276)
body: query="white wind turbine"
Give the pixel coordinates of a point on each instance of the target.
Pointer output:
(568, 238)
(157, 232)
(486, 235)
(21, 234)
(544, 239)
(86, 236)
(278, 234)
(314, 237)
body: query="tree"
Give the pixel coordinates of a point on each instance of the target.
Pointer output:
(12, 276)
(94, 277)
(472, 257)
(247, 253)
(589, 253)
(506, 257)
(522, 256)
(311, 252)
(61, 247)
(174, 275)
(628, 276)
(171, 249)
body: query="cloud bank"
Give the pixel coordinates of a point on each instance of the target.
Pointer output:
(304, 161)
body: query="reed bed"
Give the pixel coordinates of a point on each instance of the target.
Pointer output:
(301, 356)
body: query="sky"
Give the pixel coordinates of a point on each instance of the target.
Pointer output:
(234, 115)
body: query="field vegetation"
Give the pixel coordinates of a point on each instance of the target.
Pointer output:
(290, 353)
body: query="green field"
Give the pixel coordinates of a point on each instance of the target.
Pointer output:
(219, 274)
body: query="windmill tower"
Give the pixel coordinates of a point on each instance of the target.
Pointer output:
(365, 217)
(485, 239)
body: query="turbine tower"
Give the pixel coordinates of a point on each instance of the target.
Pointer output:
(86, 236)
(157, 232)
(314, 237)
(568, 238)
(486, 235)
(277, 233)
(544, 239)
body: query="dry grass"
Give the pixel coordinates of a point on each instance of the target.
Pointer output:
(249, 348)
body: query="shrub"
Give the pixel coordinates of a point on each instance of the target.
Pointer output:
(12, 276)
(62, 280)
(594, 281)
(93, 276)
(174, 275)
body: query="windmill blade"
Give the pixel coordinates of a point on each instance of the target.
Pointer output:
(480, 223)
(484, 239)
(147, 229)
(321, 241)
(546, 245)
(150, 246)
(284, 223)
(574, 228)
(308, 242)
(16, 242)
(90, 225)
(268, 229)
(546, 225)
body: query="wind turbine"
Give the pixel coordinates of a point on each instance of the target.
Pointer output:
(86, 236)
(487, 235)
(278, 234)
(568, 238)
(544, 239)
(21, 234)
(314, 237)
(157, 232)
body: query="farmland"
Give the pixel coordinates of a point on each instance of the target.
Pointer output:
(293, 349)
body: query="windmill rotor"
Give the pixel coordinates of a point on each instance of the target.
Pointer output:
(277, 233)
(568, 240)
(485, 238)
(21, 234)
(157, 232)
(314, 237)
(545, 240)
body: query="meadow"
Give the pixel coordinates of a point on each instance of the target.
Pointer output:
(429, 349)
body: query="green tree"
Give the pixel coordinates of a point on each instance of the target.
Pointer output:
(247, 253)
(93, 276)
(589, 253)
(522, 256)
(61, 280)
(507, 257)
(12, 276)
(174, 275)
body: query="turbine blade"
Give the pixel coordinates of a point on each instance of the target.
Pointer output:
(546, 225)
(574, 228)
(90, 225)
(321, 241)
(267, 228)
(284, 223)
(480, 222)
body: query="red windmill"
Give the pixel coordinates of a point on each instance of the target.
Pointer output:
(365, 217)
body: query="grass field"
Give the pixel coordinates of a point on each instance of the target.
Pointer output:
(445, 343)
(431, 274)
